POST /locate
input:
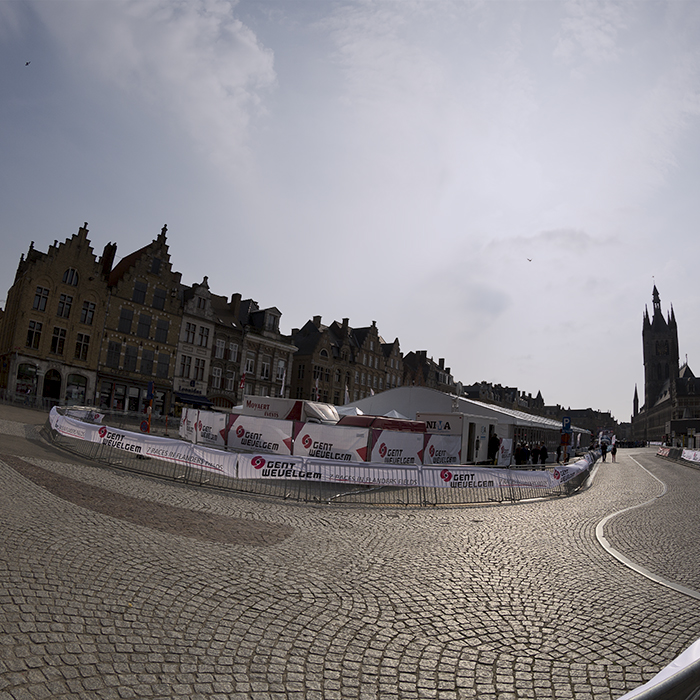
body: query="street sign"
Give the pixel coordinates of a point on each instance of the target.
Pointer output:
(566, 424)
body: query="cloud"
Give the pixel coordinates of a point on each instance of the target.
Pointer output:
(591, 29)
(189, 60)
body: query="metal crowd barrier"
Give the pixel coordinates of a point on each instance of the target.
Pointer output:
(308, 491)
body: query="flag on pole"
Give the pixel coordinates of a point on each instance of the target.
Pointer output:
(284, 377)
(241, 386)
(318, 394)
(347, 395)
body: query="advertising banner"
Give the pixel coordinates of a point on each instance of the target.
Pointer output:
(691, 455)
(331, 442)
(164, 449)
(265, 466)
(483, 477)
(563, 473)
(505, 452)
(442, 449)
(211, 429)
(188, 422)
(394, 447)
(252, 434)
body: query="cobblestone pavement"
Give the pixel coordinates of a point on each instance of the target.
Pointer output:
(118, 586)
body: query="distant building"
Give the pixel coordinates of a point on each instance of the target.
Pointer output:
(671, 410)
(338, 364)
(421, 370)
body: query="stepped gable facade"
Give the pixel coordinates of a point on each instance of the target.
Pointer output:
(52, 324)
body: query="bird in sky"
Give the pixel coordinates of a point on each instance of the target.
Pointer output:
(27, 63)
(529, 259)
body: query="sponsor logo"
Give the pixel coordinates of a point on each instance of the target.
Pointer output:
(240, 431)
(307, 441)
(446, 475)
(102, 432)
(382, 450)
(258, 462)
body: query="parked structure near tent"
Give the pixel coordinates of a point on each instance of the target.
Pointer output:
(475, 421)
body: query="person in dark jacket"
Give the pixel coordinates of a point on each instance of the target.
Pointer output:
(543, 454)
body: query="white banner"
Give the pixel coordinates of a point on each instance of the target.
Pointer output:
(332, 442)
(264, 466)
(253, 434)
(691, 455)
(442, 449)
(211, 429)
(188, 423)
(463, 477)
(395, 447)
(505, 452)
(165, 449)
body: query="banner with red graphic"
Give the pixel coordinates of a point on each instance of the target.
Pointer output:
(442, 449)
(395, 447)
(264, 466)
(331, 442)
(252, 434)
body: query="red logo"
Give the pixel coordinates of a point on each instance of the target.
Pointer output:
(446, 475)
(258, 462)
(557, 474)
(240, 431)
(102, 431)
(432, 450)
(382, 450)
(306, 441)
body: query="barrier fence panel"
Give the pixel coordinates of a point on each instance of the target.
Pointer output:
(307, 479)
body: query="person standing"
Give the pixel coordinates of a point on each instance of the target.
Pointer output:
(603, 449)
(543, 454)
(535, 453)
(493, 447)
(613, 452)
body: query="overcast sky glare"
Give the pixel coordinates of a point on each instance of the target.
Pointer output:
(498, 183)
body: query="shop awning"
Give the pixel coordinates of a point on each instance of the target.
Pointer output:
(192, 399)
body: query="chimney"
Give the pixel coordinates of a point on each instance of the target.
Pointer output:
(317, 321)
(441, 363)
(107, 259)
(346, 321)
(235, 305)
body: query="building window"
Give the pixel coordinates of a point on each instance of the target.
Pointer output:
(82, 344)
(131, 353)
(281, 370)
(139, 295)
(34, 335)
(126, 316)
(58, 341)
(147, 362)
(199, 370)
(162, 328)
(185, 366)
(203, 337)
(201, 303)
(159, 299)
(64, 304)
(271, 322)
(155, 266)
(190, 328)
(300, 372)
(40, 298)
(70, 276)
(231, 383)
(163, 367)
(233, 352)
(143, 329)
(114, 351)
(250, 364)
(88, 313)
(220, 348)
(265, 368)
(216, 377)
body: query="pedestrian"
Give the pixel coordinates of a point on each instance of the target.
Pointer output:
(558, 454)
(518, 454)
(535, 453)
(526, 453)
(493, 447)
(543, 454)
(603, 449)
(613, 451)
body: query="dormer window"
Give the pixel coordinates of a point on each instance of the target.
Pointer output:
(271, 322)
(324, 353)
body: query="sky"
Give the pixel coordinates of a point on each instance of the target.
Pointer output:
(499, 183)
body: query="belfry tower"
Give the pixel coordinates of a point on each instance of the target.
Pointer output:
(660, 348)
